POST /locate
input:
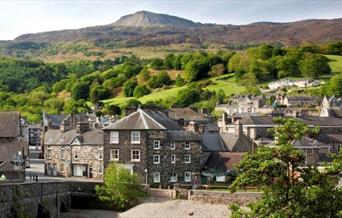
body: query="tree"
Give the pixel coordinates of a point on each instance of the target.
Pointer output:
(187, 96)
(197, 68)
(159, 80)
(141, 90)
(120, 188)
(287, 66)
(129, 86)
(314, 66)
(80, 90)
(169, 60)
(249, 81)
(112, 109)
(217, 70)
(335, 85)
(179, 81)
(156, 63)
(288, 189)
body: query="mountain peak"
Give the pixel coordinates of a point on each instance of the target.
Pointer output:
(146, 18)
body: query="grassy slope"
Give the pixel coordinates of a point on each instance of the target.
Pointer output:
(226, 83)
(335, 63)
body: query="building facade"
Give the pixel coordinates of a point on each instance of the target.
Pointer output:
(154, 147)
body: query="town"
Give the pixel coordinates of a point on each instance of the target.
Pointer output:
(166, 147)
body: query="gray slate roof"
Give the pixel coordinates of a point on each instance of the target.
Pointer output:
(222, 142)
(144, 119)
(330, 137)
(187, 114)
(89, 137)
(54, 119)
(321, 121)
(8, 150)
(9, 124)
(182, 135)
(258, 120)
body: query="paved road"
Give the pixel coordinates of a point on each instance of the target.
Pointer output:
(37, 168)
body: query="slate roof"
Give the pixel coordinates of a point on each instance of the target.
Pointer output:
(214, 141)
(9, 124)
(236, 143)
(257, 120)
(89, 137)
(330, 137)
(182, 135)
(321, 121)
(308, 142)
(9, 150)
(222, 162)
(303, 99)
(335, 112)
(144, 119)
(187, 114)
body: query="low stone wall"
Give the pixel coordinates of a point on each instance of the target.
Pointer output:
(42, 198)
(221, 197)
(162, 193)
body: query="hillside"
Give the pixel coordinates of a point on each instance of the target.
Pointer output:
(165, 33)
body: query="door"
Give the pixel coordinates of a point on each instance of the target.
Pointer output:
(78, 170)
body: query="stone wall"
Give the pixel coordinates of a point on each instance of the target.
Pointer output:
(61, 158)
(222, 197)
(34, 199)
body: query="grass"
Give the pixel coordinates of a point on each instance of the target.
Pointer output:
(335, 63)
(226, 83)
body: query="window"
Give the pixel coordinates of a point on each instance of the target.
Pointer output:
(156, 144)
(135, 137)
(135, 155)
(100, 155)
(75, 155)
(156, 159)
(173, 145)
(173, 158)
(48, 153)
(173, 177)
(187, 158)
(100, 169)
(187, 146)
(114, 154)
(62, 153)
(114, 137)
(156, 177)
(187, 176)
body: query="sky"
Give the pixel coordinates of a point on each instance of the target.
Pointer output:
(30, 16)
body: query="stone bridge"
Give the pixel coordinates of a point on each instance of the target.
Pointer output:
(41, 199)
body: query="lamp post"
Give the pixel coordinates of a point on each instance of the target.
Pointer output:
(146, 176)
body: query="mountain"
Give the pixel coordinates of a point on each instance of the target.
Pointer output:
(146, 18)
(149, 30)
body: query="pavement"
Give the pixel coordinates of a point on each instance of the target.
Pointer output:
(37, 168)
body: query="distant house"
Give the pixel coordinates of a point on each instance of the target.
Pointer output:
(331, 107)
(292, 101)
(245, 105)
(75, 149)
(298, 83)
(150, 144)
(13, 146)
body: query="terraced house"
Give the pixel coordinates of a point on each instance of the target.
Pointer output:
(148, 143)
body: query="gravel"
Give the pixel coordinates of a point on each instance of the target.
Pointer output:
(157, 208)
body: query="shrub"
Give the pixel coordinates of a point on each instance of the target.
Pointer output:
(141, 90)
(120, 189)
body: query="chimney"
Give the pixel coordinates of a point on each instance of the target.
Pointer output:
(81, 127)
(193, 126)
(62, 126)
(238, 131)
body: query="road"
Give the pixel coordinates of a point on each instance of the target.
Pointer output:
(37, 168)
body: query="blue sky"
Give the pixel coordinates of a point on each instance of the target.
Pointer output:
(29, 16)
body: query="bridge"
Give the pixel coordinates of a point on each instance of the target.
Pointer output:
(43, 199)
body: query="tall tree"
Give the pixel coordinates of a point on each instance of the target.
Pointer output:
(288, 188)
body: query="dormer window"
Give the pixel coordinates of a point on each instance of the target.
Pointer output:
(173, 145)
(135, 137)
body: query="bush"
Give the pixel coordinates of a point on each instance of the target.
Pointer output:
(141, 90)
(159, 80)
(179, 81)
(187, 97)
(120, 189)
(128, 87)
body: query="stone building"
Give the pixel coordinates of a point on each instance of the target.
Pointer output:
(148, 143)
(13, 146)
(74, 150)
(245, 105)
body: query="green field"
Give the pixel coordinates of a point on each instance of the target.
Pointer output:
(335, 63)
(226, 83)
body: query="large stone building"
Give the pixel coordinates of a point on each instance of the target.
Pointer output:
(75, 149)
(13, 146)
(148, 143)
